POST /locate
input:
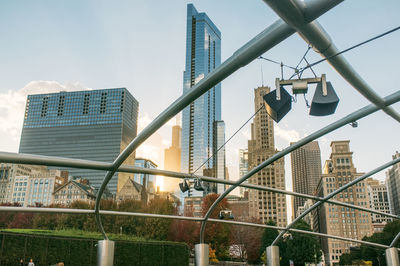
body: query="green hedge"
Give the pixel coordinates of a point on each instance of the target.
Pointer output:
(47, 250)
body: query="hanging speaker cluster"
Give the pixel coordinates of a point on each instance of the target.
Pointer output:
(324, 104)
(279, 102)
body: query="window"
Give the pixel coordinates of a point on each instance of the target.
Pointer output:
(103, 102)
(86, 101)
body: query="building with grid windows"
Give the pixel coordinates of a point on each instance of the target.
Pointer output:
(92, 125)
(203, 55)
(265, 205)
(14, 181)
(337, 220)
(393, 186)
(379, 201)
(306, 172)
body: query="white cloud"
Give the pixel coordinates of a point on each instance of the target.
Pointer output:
(289, 135)
(247, 134)
(12, 108)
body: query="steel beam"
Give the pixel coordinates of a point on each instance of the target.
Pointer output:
(267, 39)
(293, 12)
(163, 216)
(367, 110)
(334, 193)
(96, 165)
(395, 240)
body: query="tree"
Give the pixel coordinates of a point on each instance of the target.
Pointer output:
(130, 225)
(369, 253)
(247, 239)
(7, 217)
(157, 228)
(184, 230)
(216, 234)
(48, 221)
(302, 248)
(268, 237)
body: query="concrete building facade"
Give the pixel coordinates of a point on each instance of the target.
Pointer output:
(379, 201)
(336, 220)
(264, 205)
(74, 190)
(393, 186)
(306, 172)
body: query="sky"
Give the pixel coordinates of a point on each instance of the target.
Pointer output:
(48, 46)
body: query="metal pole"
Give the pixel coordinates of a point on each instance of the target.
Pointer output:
(335, 125)
(392, 257)
(201, 254)
(273, 258)
(105, 253)
(395, 240)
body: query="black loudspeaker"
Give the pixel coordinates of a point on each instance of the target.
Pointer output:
(198, 185)
(277, 109)
(184, 186)
(324, 105)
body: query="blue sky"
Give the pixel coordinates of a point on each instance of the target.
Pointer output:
(140, 45)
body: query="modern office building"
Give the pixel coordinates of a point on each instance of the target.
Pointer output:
(203, 55)
(92, 125)
(306, 171)
(379, 201)
(243, 168)
(172, 160)
(146, 180)
(219, 160)
(337, 220)
(262, 204)
(393, 186)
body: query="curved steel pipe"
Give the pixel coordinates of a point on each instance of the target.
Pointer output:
(395, 97)
(334, 193)
(96, 165)
(194, 219)
(395, 240)
(315, 35)
(271, 36)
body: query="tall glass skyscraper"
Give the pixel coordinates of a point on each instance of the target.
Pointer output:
(203, 55)
(91, 124)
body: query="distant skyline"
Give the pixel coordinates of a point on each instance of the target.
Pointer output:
(71, 45)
